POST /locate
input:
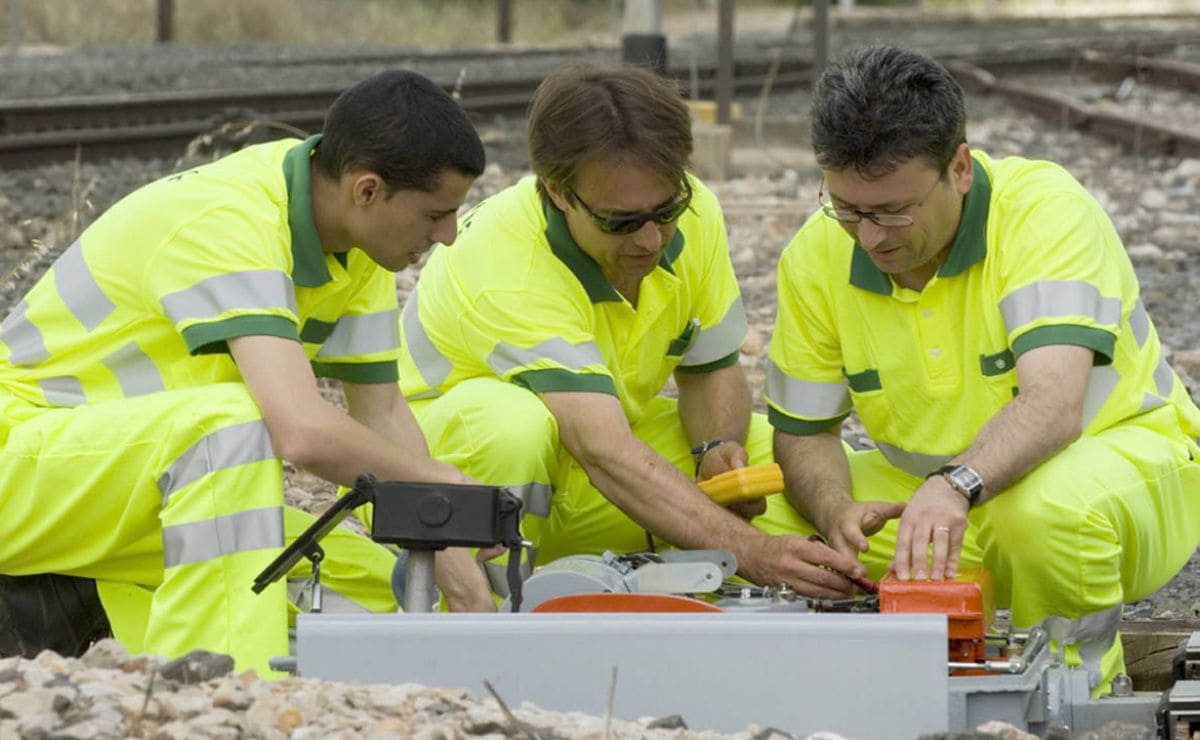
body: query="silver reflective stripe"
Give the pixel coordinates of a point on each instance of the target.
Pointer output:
(332, 601)
(364, 334)
(25, 343)
(1150, 402)
(506, 358)
(79, 290)
(1055, 298)
(913, 463)
(431, 364)
(1094, 633)
(721, 340)
(197, 542)
(805, 399)
(63, 390)
(1164, 378)
(250, 289)
(135, 371)
(1139, 323)
(535, 496)
(225, 448)
(1101, 382)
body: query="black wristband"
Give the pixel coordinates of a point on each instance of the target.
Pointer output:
(701, 449)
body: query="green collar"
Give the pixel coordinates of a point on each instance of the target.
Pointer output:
(598, 287)
(308, 260)
(970, 243)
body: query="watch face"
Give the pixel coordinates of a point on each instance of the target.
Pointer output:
(967, 478)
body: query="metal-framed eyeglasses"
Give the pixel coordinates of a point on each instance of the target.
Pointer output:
(631, 222)
(892, 219)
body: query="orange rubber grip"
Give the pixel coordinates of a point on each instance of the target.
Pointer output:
(744, 484)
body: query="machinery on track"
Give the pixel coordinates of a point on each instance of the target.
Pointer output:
(674, 633)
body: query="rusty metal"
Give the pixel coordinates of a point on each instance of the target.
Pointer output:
(1138, 134)
(1175, 73)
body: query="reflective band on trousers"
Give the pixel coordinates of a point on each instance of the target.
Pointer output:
(431, 364)
(233, 445)
(721, 340)
(1057, 298)
(362, 335)
(805, 399)
(196, 542)
(249, 289)
(1094, 633)
(535, 498)
(506, 358)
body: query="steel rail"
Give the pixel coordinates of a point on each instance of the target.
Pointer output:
(1139, 134)
(37, 130)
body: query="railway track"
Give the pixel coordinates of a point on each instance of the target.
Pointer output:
(36, 131)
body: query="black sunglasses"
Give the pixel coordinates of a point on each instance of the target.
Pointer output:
(630, 223)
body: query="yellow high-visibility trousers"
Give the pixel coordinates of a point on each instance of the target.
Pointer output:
(1106, 521)
(173, 502)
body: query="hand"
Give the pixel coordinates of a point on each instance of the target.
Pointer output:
(723, 458)
(849, 530)
(936, 515)
(810, 568)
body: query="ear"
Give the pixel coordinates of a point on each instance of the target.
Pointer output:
(367, 187)
(558, 194)
(962, 169)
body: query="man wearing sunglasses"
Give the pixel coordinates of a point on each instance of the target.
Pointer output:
(536, 347)
(982, 318)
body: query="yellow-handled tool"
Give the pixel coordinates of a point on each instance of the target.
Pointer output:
(743, 484)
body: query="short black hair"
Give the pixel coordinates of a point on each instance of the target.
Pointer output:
(401, 126)
(879, 106)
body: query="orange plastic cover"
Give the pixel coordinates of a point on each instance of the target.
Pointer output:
(968, 600)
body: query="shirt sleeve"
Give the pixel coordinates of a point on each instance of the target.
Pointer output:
(806, 388)
(1056, 276)
(222, 275)
(363, 345)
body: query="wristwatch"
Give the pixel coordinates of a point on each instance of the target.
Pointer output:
(964, 480)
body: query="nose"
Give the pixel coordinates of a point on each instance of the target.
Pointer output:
(445, 230)
(649, 236)
(870, 234)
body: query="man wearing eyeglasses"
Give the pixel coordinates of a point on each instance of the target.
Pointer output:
(981, 317)
(536, 347)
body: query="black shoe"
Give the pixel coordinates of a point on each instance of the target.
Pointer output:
(49, 612)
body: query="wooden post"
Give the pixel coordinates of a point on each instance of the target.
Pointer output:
(14, 27)
(821, 32)
(165, 26)
(724, 60)
(504, 21)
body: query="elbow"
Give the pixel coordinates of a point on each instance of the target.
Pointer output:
(291, 441)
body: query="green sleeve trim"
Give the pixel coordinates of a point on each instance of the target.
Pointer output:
(1097, 340)
(362, 373)
(864, 382)
(548, 381)
(316, 331)
(792, 425)
(708, 367)
(211, 338)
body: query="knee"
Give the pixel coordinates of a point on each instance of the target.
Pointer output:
(489, 417)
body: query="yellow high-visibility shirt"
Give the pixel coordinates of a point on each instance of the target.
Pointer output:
(149, 295)
(515, 298)
(1035, 262)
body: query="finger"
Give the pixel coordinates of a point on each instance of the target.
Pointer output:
(952, 558)
(749, 509)
(831, 558)
(902, 560)
(941, 549)
(919, 553)
(821, 583)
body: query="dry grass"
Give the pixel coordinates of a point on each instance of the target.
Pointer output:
(407, 23)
